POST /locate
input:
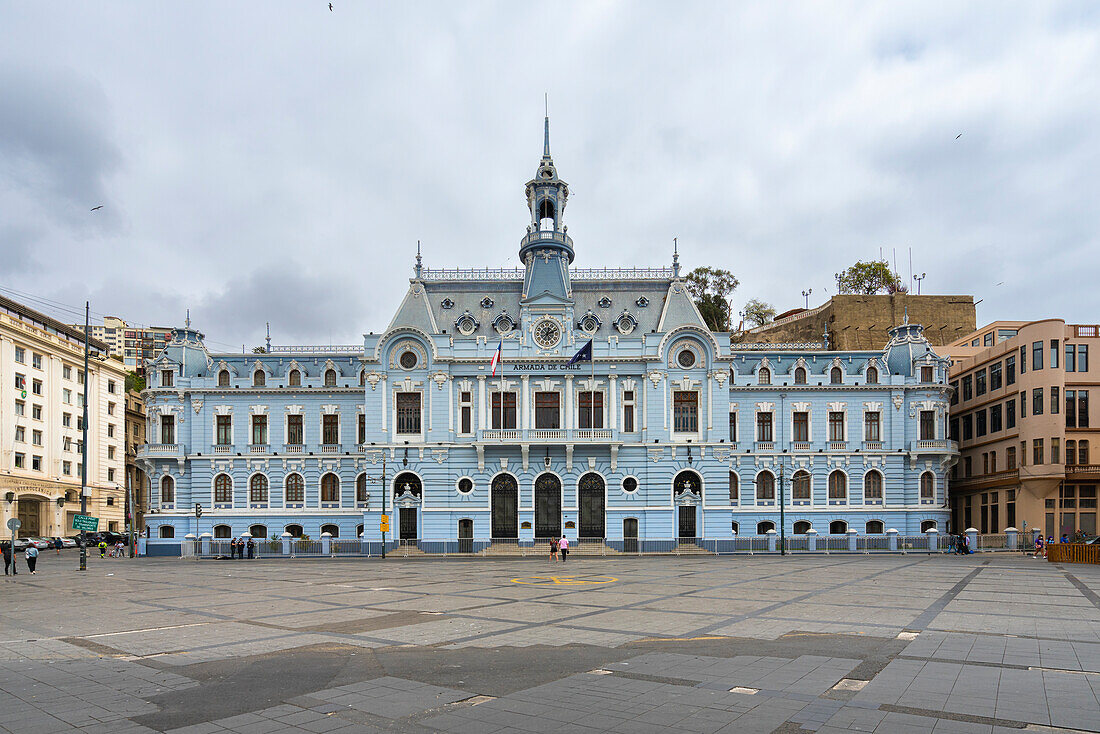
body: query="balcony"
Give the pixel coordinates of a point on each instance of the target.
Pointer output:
(801, 446)
(293, 448)
(1091, 470)
(993, 479)
(160, 449)
(221, 448)
(547, 435)
(258, 448)
(838, 445)
(329, 448)
(934, 446)
(765, 446)
(872, 445)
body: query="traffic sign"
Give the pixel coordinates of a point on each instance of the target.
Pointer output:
(85, 523)
(385, 525)
(13, 524)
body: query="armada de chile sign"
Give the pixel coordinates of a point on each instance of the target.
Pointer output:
(543, 367)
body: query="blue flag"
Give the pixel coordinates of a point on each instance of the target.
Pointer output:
(584, 354)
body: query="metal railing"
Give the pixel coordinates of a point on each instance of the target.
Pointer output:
(1073, 553)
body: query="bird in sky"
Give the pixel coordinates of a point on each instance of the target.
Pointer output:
(95, 208)
(330, 7)
(956, 137)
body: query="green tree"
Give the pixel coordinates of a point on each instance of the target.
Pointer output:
(758, 312)
(134, 381)
(259, 350)
(711, 289)
(868, 278)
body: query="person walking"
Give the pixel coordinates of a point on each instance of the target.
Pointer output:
(563, 546)
(103, 549)
(553, 549)
(1040, 551)
(251, 548)
(32, 558)
(57, 545)
(9, 559)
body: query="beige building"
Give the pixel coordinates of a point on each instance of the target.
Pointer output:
(41, 417)
(134, 345)
(136, 482)
(1021, 414)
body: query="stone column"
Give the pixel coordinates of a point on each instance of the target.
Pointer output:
(612, 394)
(285, 537)
(204, 541)
(481, 402)
(972, 537)
(892, 539)
(771, 541)
(525, 403)
(811, 540)
(568, 407)
(852, 542)
(933, 539)
(326, 543)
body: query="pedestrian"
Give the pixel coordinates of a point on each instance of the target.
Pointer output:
(57, 545)
(32, 557)
(553, 550)
(1064, 538)
(8, 560)
(1040, 551)
(233, 549)
(251, 548)
(563, 546)
(103, 549)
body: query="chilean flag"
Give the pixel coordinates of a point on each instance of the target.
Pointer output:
(497, 356)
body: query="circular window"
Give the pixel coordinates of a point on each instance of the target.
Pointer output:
(630, 484)
(466, 324)
(625, 324)
(408, 360)
(686, 359)
(547, 333)
(589, 324)
(465, 485)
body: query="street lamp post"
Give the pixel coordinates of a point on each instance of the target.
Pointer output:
(382, 480)
(782, 494)
(919, 278)
(84, 443)
(806, 295)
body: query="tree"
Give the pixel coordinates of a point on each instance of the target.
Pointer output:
(134, 381)
(868, 278)
(711, 289)
(759, 312)
(259, 350)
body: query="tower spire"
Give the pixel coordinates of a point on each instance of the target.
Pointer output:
(546, 137)
(418, 267)
(675, 257)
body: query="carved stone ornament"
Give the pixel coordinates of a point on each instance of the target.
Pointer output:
(898, 402)
(196, 405)
(373, 378)
(655, 377)
(440, 379)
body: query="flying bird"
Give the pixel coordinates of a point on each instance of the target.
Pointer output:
(95, 208)
(958, 136)
(330, 7)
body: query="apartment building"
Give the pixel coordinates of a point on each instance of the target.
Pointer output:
(134, 345)
(1021, 413)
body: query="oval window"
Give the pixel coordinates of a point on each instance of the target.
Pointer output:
(630, 484)
(408, 360)
(686, 359)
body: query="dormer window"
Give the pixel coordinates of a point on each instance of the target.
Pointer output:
(836, 376)
(926, 374)
(166, 377)
(466, 324)
(294, 379)
(590, 323)
(642, 302)
(604, 302)
(330, 378)
(486, 302)
(223, 378)
(259, 378)
(800, 375)
(764, 376)
(872, 375)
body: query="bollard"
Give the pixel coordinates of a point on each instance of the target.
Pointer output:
(285, 537)
(933, 539)
(852, 540)
(142, 546)
(811, 540)
(204, 543)
(326, 544)
(1011, 538)
(187, 550)
(771, 541)
(892, 539)
(972, 538)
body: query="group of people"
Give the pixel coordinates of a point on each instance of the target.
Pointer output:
(239, 546)
(31, 554)
(559, 546)
(960, 545)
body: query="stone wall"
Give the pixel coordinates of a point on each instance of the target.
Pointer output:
(862, 322)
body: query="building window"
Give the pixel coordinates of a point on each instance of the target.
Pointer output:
(224, 430)
(979, 382)
(590, 409)
(67, 372)
(547, 410)
(36, 387)
(1037, 401)
(167, 490)
(1037, 451)
(801, 432)
(927, 488)
(764, 376)
(765, 487)
(167, 428)
(67, 468)
(362, 382)
(466, 414)
(685, 411)
(955, 392)
(979, 423)
(838, 527)
(994, 419)
(330, 378)
(1082, 452)
(928, 424)
(408, 413)
(330, 488)
(259, 429)
(800, 375)
(872, 487)
(223, 489)
(259, 378)
(361, 489)
(20, 461)
(927, 375)
(1037, 355)
(295, 488)
(361, 429)
(764, 427)
(1054, 350)
(763, 527)
(872, 423)
(800, 487)
(836, 426)
(802, 527)
(20, 355)
(223, 378)
(20, 434)
(1010, 414)
(36, 464)
(36, 412)
(166, 531)
(1010, 458)
(330, 426)
(294, 433)
(838, 488)
(257, 489)
(1055, 400)
(1071, 409)
(968, 387)
(20, 407)
(110, 449)
(836, 376)
(294, 379)
(504, 414)
(733, 427)
(166, 378)
(628, 411)
(110, 430)
(734, 489)
(872, 375)
(995, 376)
(734, 527)
(874, 527)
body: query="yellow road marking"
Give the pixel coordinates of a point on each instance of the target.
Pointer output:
(563, 580)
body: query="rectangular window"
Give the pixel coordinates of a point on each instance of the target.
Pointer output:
(927, 374)
(1023, 405)
(547, 410)
(953, 429)
(1082, 357)
(259, 429)
(1055, 451)
(836, 425)
(968, 466)
(36, 412)
(967, 427)
(503, 413)
(20, 407)
(979, 423)
(67, 443)
(979, 382)
(801, 426)
(20, 461)
(955, 392)
(1023, 453)
(1071, 408)
(995, 376)
(968, 387)
(110, 452)
(928, 425)
(36, 361)
(1054, 349)
(995, 419)
(872, 426)
(628, 413)
(36, 387)
(1023, 359)
(685, 411)
(1082, 408)
(20, 355)
(1071, 358)
(466, 422)
(36, 463)
(223, 433)
(361, 429)
(985, 463)
(166, 378)
(67, 468)
(590, 409)
(1071, 452)
(67, 372)
(1037, 451)
(1037, 401)
(110, 430)
(1010, 457)
(408, 414)
(111, 386)
(20, 434)
(110, 408)
(294, 432)
(67, 396)
(764, 427)
(733, 427)
(1010, 370)
(168, 428)
(330, 422)
(1036, 355)
(1055, 400)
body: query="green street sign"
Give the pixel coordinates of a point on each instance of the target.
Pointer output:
(87, 523)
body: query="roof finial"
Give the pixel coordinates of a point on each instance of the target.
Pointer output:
(546, 127)
(269, 337)
(418, 267)
(187, 321)
(675, 257)
(907, 314)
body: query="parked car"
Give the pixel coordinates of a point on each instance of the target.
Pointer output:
(21, 543)
(66, 542)
(40, 543)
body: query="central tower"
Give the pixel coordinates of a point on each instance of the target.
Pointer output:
(546, 250)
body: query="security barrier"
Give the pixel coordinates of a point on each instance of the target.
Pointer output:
(1073, 553)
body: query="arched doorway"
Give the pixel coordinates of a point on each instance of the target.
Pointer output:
(504, 497)
(687, 493)
(548, 506)
(30, 515)
(407, 492)
(591, 501)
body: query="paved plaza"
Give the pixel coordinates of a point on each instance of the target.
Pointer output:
(906, 643)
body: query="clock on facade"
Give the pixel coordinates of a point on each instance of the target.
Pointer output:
(547, 333)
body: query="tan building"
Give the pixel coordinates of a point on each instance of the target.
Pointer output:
(41, 417)
(1021, 414)
(134, 345)
(136, 482)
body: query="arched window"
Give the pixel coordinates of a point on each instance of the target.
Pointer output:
(359, 531)
(764, 376)
(838, 487)
(836, 375)
(331, 529)
(927, 525)
(765, 487)
(800, 375)
(874, 527)
(763, 527)
(257, 488)
(223, 378)
(927, 487)
(223, 489)
(167, 490)
(294, 530)
(362, 378)
(222, 531)
(167, 531)
(800, 486)
(361, 489)
(330, 488)
(802, 527)
(872, 487)
(259, 378)
(872, 375)
(838, 527)
(258, 531)
(735, 527)
(295, 488)
(294, 379)
(330, 378)
(735, 492)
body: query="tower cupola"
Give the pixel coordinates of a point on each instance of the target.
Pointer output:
(546, 198)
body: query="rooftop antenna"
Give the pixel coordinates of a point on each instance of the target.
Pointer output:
(418, 267)
(675, 257)
(269, 337)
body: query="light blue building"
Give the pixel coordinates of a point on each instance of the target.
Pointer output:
(668, 433)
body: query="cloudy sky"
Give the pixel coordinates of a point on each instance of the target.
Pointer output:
(278, 162)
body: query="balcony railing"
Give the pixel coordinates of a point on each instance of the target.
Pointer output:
(765, 446)
(872, 445)
(536, 435)
(993, 478)
(801, 446)
(330, 448)
(160, 449)
(258, 448)
(222, 448)
(936, 445)
(1082, 468)
(293, 448)
(838, 445)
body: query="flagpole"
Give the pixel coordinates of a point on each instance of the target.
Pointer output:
(592, 396)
